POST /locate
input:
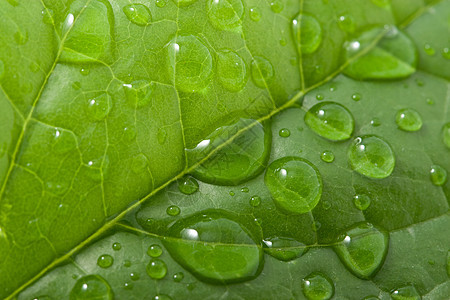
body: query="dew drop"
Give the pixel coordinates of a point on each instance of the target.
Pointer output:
(429, 50)
(139, 163)
(284, 249)
(139, 93)
(161, 3)
(47, 15)
(408, 119)
(187, 185)
(154, 250)
(134, 276)
(327, 156)
(105, 261)
(161, 136)
(356, 97)
(319, 97)
(295, 184)
(330, 120)
(430, 101)
(375, 122)
(276, 6)
(129, 133)
(262, 71)
(255, 14)
(91, 287)
(225, 14)
(307, 33)
(178, 277)
(21, 37)
(128, 286)
(347, 23)
(446, 134)
(173, 210)
(63, 141)
(85, 71)
(245, 189)
(317, 286)
(232, 193)
(255, 201)
(231, 70)
(285, 132)
(361, 201)
(116, 246)
(371, 156)
(156, 269)
(127, 263)
(162, 297)
(438, 175)
(326, 205)
(283, 42)
(99, 107)
(405, 293)
(138, 14)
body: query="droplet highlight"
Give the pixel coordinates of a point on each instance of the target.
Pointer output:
(317, 286)
(138, 14)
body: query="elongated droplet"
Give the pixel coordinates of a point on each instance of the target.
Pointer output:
(91, 287)
(225, 14)
(408, 120)
(438, 175)
(187, 185)
(307, 33)
(284, 249)
(262, 71)
(138, 14)
(295, 184)
(317, 286)
(405, 293)
(231, 70)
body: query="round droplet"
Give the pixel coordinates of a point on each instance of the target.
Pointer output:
(203, 242)
(438, 175)
(232, 193)
(317, 286)
(154, 250)
(85, 71)
(116, 246)
(255, 14)
(285, 132)
(446, 134)
(295, 184)
(173, 210)
(405, 293)
(262, 71)
(231, 70)
(277, 6)
(99, 107)
(283, 42)
(430, 101)
(326, 205)
(190, 63)
(362, 249)
(162, 297)
(134, 276)
(156, 269)
(429, 50)
(128, 286)
(375, 122)
(361, 201)
(331, 121)
(105, 261)
(255, 201)
(446, 53)
(307, 33)
(408, 119)
(91, 287)
(139, 163)
(129, 133)
(371, 156)
(284, 249)
(356, 97)
(127, 263)
(225, 14)
(187, 185)
(178, 277)
(138, 14)
(347, 23)
(139, 93)
(327, 156)
(319, 97)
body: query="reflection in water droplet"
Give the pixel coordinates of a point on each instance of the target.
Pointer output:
(178, 277)
(255, 14)
(438, 175)
(91, 287)
(356, 97)
(225, 14)
(405, 293)
(134, 276)
(330, 120)
(285, 132)
(231, 70)
(319, 97)
(139, 163)
(307, 33)
(375, 122)
(161, 3)
(129, 133)
(446, 53)
(408, 119)
(156, 269)
(99, 107)
(255, 201)
(173, 210)
(85, 71)
(361, 201)
(327, 156)
(245, 189)
(105, 261)
(262, 71)
(139, 93)
(446, 134)
(116, 246)
(284, 249)
(295, 184)
(138, 14)
(187, 185)
(317, 286)
(371, 156)
(154, 250)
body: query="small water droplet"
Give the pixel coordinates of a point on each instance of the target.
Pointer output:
(326, 205)
(116, 246)
(255, 201)
(445, 53)
(375, 122)
(85, 71)
(419, 82)
(63, 141)
(244, 189)
(307, 33)
(47, 15)
(129, 133)
(156, 269)
(347, 23)
(283, 42)
(162, 297)
(127, 263)
(161, 136)
(277, 6)
(231, 70)
(356, 97)
(134, 276)
(285, 132)
(446, 134)
(225, 14)
(319, 97)
(173, 210)
(429, 50)
(408, 119)
(161, 3)
(91, 287)
(438, 175)
(333, 88)
(105, 261)
(255, 14)
(138, 14)
(327, 156)
(317, 286)
(178, 277)
(262, 71)
(283, 248)
(232, 193)
(99, 107)
(187, 185)
(430, 101)
(139, 93)
(139, 163)
(361, 201)
(405, 293)
(154, 250)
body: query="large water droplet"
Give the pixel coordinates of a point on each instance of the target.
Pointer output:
(187, 185)
(307, 33)
(156, 269)
(190, 63)
(438, 175)
(225, 14)
(408, 119)
(284, 249)
(215, 247)
(317, 286)
(446, 134)
(231, 70)
(371, 156)
(408, 292)
(139, 93)
(99, 107)
(139, 14)
(362, 249)
(262, 71)
(91, 287)
(330, 120)
(295, 184)
(105, 261)
(255, 201)
(238, 161)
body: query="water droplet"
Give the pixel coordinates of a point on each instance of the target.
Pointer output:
(154, 250)
(408, 120)
(356, 97)
(225, 14)
(332, 88)
(21, 37)
(347, 23)
(429, 50)
(255, 14)
(156, 269)
(295, 184)
(91, 287)
(178, 277)
(173, 210)
(238, 161)
(43, 297)
(85, 71)
(128, 286)
(445, 53)
(327, 156)
(63, 141)
(231, 70)
(138, 14)
(187, 185)
(371, 156)
(161, 136)
(262, 71)
(405, 293)
(277, 6)
(319, 97)
(285, 132)
(283, 42)
(232, 193)
(2, 69)
(430, 101)
(362, 249)
(47, 15)
(129, 133)
(326, 205)
(99, 107)
(446, 134)
(116, 246)
(419, 82)
(255, 201)
(161, 3)
(375, 122)
(139, 93)
(202, 242)
(105, 261)
(438, 175)
(317, 286)
(307, 33)
(284, 249)
(330, 120)
(244, 190)
(139, 163)
(362, 201)
(162, 297)
(190, 63)
(127, 263)
(134, 276)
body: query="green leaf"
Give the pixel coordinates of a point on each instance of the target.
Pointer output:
(224, 149)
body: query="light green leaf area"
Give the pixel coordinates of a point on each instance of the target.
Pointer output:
(110, 108)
